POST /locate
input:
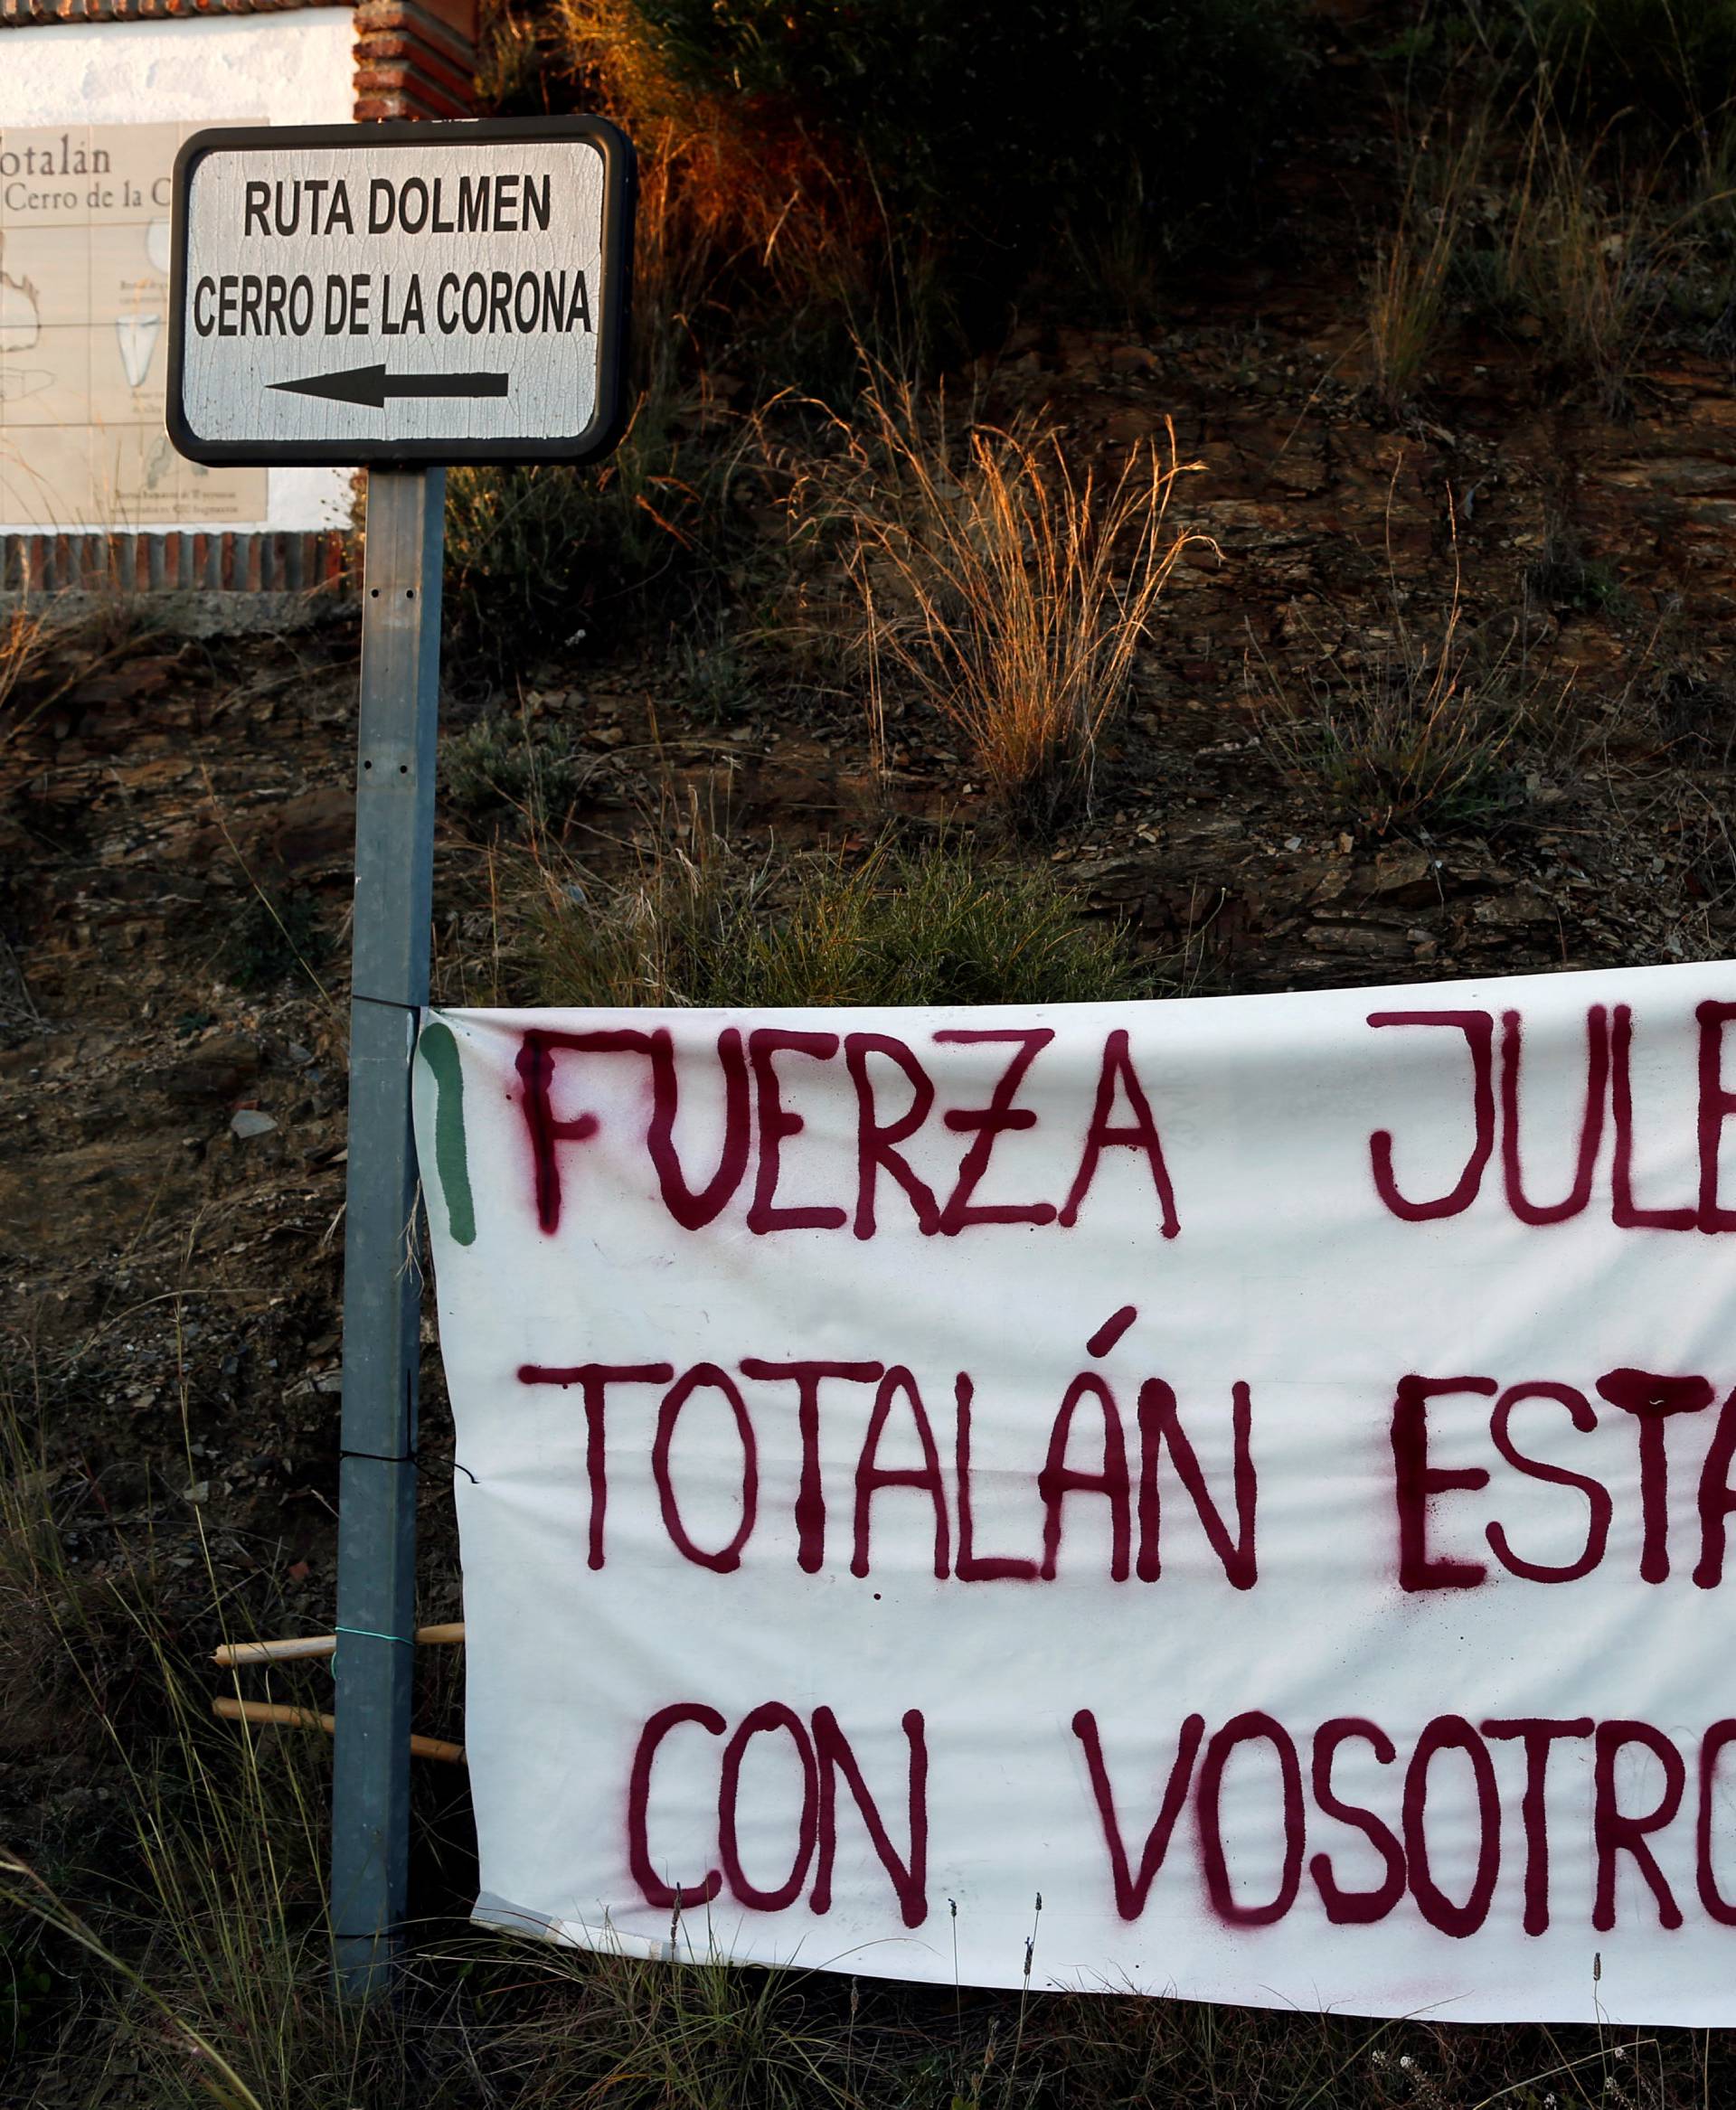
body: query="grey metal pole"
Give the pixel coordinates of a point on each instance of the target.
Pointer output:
(376, 1533)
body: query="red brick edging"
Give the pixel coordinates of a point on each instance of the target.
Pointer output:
(171, 563)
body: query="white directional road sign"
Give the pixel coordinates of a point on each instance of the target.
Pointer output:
(400, 293)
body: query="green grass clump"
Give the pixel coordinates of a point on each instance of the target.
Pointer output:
(714, 678)
(513, 544)
(1396, 754)
(935, 928)
(1563, 577)
(500, 765)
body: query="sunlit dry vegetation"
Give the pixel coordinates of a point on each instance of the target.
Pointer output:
(1006, 591)
(22, 639)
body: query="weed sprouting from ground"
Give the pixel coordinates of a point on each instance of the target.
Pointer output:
(1399, 747)
(1563, 574)
(703, 926)
(713, 677)
(1696, 710)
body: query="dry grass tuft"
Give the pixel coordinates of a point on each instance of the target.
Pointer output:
(996, 583)
(700, 2035)
(25, 641)
(1408, 285)
(1568, 246)
(1419, 728)
(66, 1626)
(200, 1908)
(1578, 259)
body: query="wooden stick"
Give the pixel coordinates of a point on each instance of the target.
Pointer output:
(305, 1718)
(318, 1644)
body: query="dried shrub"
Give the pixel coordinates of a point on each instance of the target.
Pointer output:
(277, 932)
(1580, 260)
(1420, 728)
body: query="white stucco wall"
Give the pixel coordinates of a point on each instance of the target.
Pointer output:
(289, 69)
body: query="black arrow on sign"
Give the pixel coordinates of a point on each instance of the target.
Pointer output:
(370, 385)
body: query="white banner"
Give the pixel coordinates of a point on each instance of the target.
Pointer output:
(1227, 1498)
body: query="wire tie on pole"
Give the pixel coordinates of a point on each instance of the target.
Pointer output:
(409, 1458)
(368, 1633)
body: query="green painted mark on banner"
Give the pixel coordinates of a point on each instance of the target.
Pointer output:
(439, 1050)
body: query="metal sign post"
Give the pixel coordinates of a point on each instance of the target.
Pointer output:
(402, 296)
(382, 1281)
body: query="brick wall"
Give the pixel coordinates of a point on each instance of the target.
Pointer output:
(170, 562)
(414, 58)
